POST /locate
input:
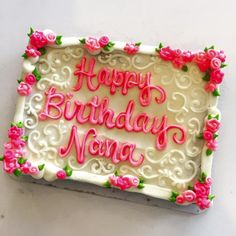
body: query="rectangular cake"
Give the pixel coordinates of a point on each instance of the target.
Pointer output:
(118, 115)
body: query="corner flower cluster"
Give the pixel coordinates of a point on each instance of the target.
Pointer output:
(132, 48)
(38, 40)
(13, 158)
(208, 61)
(209, 134)
(198, 194)
(124, 182)
(94, 45)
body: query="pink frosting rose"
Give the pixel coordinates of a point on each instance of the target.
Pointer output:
(189, 196)
(9, 154)
(211, 53)
(38, 39)
(30, 79)
(177, 52)
(8, 146)
(61, 174)
(208, 182)
(31, 51)
(131, 48)
(178, 62)
(14, 132)
(221, 56)
(124, 182)
(187, 56)
(203, 66)
(213, 125)
(25, 168)
(33, 170)
(212, 145)
(201, 189)
(167, 54)
(215, 63)
(217, 76)
(134, 181)
(18, 143)
(210, 87)
(103, 41)
(51, 37)
(203, 203)
(92, 44)
(24, 89)
(200, 57)
(180, 199)
(9, 166)
(207, 135)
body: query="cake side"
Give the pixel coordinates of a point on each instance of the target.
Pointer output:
(166, 163)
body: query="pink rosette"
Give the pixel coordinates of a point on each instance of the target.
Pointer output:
(200, 58)
(213, 125)
(14, 132)
(30, 79)
(8, 146)
(113, 180)
(131, 48)
(103, 41)
(178, 62)
(31, 51)
(123, 182)
(203, 203)
(92, 44)
(38, 39)
(215, 63)
(212, 145)
(11, 165)
(189, 196)
(9, 154)
(167, 54)
(18, 143)
(33, 170)
(24, 89)
(211, 53)
(25, 168)
(187, 56)
(50, 36)
(216, 76)
(180, 199)
(61, 174)
(134, 181)
(177, 52)
(208, 182)
(203, 66)
(207, 135)
(221, 56)
(210, 87)
(201, 189)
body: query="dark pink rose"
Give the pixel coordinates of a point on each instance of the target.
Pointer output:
(92, 44)
(200, 58)
(123, 182)
(103, 41)
(212, 145)
(14, 132)
(203, 203)
(131, 48)
(178, 62)
(211, 53)
(61, 174)
(213, 125)
(221, 56)
(167, 54)
(210, 87)
(38, 39)
(18, 143)
(201, 189)
(8, 146)
(32, 51)
(24, 89)
(25, 168)
(180, 199)
(30, 79)
(187, 56)
(215, 63)
(11, 165)
(177, 52)
(217, 76)
(189, 196)
(207, 135)
(9, 154)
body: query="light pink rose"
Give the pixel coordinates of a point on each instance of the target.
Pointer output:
(51, 38)
(131, 48)
(61, 174)
(203, 203)
(8, 146)
(213, 125)
(92, 44)
(212, 145)
(38, 39)
(9, 154)
(180, 199)
(200, 57)
(211, 53)
(215, 63)
(32, 51)
(134, 181)
(14, 132)
(167, 54)
(189, 196)
(30, 79)
(210, 87)
(221, 56)
(217, 76)
(18, 143)
(25, 168)
(33, 170)
(113, 180)
(24, 89)
(11, 165)
(103, 41)
(207, 135)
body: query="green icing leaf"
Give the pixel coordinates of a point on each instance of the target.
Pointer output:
(202, 177)
(184, 68)
(68, 171)
(141, 180)
(173, 196)
(19, 124)
(24, 55)
(116, 173)
(138, 43)
(17, 172)
(190, 187)
(25, 137)
(209, 117)
(200, 136)
(41, 167)
(19, 81)
(43, 51)
(206, 48)
(58, 40)
(216, 93)
(223, 65)
(215, 136)
(107, 184)
(206, 77)
(36, 74)
(108, 46)
(111, 44)
(209, 152)
(211, 197)
(217, 116)
(82, 40)
(22, 160)
(1, 158)
(30, 32)
(160, 45)
(140, 186)
(13, 124)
